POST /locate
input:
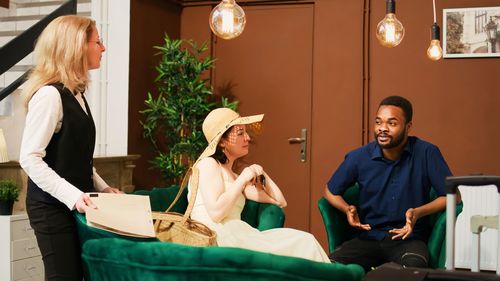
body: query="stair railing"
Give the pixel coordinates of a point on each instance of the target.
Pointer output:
(21, 46)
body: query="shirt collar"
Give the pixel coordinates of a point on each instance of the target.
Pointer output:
(377, 151)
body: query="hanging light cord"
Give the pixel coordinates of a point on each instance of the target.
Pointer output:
(434, 8)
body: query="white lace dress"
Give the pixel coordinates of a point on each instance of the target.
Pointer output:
(233, 232)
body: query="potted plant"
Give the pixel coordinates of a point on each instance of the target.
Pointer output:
(175, 113)
(9, 192)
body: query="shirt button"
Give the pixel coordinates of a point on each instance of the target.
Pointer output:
(393, 198)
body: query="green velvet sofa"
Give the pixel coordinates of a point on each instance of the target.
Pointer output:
(170, 261)
(338, 229)
(108, 256)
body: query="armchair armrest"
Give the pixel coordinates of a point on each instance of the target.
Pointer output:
(263, 216)
(337, 228)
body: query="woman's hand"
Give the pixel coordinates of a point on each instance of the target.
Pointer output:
(83, 203)
(251, 172)
(270, 193)
(110, 189)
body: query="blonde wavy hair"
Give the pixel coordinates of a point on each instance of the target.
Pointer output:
(61, 56)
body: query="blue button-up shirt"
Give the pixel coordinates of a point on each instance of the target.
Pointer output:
(389, 188)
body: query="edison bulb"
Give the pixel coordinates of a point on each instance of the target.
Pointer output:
(435, 52)
(227, 20)
(390, 31)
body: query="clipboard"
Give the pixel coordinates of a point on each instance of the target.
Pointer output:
(124, 214)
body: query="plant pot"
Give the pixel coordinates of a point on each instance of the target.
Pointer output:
(6, 207)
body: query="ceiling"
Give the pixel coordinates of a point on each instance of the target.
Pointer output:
(240, 2)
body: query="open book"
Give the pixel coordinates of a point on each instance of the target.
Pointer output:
(123, 214)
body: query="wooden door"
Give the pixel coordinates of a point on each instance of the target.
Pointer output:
(269, 70)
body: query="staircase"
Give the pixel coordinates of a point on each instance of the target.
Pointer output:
(20, 16)
(13, 21)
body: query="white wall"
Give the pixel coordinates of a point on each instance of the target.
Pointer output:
(108, 93)
(109, 90)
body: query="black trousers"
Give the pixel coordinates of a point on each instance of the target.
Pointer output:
(372, 253)
(57, 237)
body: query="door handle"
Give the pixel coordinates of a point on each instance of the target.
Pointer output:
(303, 144)
(295, 140)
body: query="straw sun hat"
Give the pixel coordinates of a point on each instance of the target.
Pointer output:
(217, 122)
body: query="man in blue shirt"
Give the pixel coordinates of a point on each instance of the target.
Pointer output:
(395, 174)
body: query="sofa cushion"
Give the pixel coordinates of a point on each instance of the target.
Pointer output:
(118, 259)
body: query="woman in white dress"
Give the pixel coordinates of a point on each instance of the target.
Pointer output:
(221, 192)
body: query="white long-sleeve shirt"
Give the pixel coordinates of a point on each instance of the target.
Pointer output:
(44, 118)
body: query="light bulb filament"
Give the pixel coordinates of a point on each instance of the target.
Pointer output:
(390, 32)
(227, 21)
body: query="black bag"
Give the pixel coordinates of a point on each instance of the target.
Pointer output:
(394, 271)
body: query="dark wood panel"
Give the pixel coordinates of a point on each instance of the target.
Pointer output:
(149, 21)
(4, 3)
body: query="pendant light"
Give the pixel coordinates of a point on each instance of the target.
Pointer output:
(435, 52)
(227, 20)
(390, 31)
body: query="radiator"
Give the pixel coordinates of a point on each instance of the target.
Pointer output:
(478, 200)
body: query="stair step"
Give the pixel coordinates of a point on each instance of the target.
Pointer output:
(21, 18)
(20, 68)
(34, 17)
(11, 33)
(46, 3)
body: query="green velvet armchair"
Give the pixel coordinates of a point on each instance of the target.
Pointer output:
(338, 229)
(109, 256)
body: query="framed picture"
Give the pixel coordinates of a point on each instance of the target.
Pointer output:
(471, 32)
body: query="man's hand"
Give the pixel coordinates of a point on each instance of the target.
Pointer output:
(110, 189)
(353, 219)
(405, 231)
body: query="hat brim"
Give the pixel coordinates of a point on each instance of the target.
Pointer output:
(212, 146)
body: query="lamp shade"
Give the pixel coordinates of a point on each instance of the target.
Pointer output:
(4, 154)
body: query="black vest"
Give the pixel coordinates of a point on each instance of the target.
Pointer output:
(70, 151)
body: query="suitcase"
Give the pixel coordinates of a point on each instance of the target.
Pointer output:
(477, 222)
(393, 271)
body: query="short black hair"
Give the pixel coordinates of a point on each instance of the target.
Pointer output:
(400, 102)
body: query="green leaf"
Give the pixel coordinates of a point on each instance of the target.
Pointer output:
(173, 115)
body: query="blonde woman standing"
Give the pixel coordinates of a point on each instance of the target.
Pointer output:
(58, 141)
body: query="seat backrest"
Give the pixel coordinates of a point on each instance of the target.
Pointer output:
(161, 197)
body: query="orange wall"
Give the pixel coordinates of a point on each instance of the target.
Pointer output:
(454, 99)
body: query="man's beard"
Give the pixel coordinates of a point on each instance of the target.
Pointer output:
(395, 141)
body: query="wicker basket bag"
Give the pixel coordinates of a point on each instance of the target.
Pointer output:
(180, 228)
